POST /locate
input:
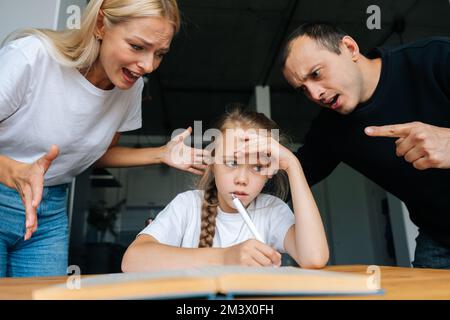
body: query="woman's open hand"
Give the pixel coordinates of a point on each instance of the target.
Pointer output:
(178, 155)
(28, 180)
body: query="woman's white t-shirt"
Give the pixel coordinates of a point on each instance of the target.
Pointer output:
(44, 103)
(179, 223)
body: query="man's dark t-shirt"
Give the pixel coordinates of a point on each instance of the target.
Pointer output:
(414, 85)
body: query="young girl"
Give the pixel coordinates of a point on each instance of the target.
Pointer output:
(202, 227)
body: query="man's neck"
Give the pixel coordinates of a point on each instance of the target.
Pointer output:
(371, 72)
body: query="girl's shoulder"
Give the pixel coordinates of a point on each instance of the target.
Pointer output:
(189, 197)
(186, 205)
(269, 203)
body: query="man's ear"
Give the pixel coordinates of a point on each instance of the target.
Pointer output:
(349, 44)
(100, 26)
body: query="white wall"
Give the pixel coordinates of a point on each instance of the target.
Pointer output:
(411, 232)
(351, 208)
(404, 231)
(27, 14)
(49, 14)
(365, 224)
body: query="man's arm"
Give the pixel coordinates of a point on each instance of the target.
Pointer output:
(423, 145)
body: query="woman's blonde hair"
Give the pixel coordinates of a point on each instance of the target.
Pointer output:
(236, 117)
(79, 48)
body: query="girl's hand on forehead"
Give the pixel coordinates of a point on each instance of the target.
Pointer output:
(265, 149)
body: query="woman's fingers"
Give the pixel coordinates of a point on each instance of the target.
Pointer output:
(198, 156)
(186, 133)
(195, 171)
(30, 184)
(28, 234)
(37, 187)
(29, 209)
(32, 188)
(200, 166)
(46, 160)
(30, 212)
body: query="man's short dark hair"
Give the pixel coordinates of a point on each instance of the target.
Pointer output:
(326, 34)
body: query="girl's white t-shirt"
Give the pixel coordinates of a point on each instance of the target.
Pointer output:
(179, 223)
(44, 103)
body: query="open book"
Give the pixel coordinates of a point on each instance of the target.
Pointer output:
(212, 282)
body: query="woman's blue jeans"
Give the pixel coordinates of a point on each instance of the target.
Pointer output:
(46, 252)
(430, 253)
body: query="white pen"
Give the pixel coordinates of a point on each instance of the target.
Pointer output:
(238, 205)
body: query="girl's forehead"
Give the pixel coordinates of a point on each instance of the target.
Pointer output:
(230, 140)
(225, 146)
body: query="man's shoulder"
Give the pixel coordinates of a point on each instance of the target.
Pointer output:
(430, 44)
(420, 45)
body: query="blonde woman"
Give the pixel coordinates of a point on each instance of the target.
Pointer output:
(202, 227)
(64, 99)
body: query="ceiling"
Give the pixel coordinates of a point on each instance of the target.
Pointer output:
(227, 47)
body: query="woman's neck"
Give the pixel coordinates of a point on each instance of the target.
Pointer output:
(97, 76)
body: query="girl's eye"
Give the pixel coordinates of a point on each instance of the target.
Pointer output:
(136, 47)
(160, 55)
(258, 168)
(231, 164)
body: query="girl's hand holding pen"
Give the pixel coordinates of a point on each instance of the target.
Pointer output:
(252, 253)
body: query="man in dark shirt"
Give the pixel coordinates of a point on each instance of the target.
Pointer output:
(387, 116)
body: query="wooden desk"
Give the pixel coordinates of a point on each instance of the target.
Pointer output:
(398, 283)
